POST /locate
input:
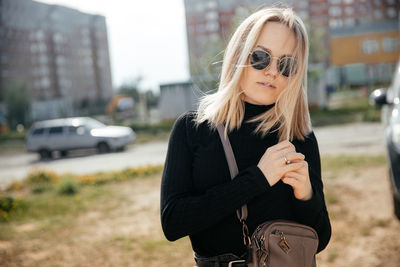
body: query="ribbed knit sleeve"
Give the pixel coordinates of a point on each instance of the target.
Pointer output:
(313, 212)
(183, 212)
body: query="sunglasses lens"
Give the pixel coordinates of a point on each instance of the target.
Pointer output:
(287, 66)
(260, 59)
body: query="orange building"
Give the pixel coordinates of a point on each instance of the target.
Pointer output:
(369, 44)
(365, 53)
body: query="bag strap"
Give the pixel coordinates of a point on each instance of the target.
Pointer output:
(233, 169)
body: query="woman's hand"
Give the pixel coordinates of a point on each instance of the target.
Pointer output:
(274, 165)
(282, 162)
(299, 180)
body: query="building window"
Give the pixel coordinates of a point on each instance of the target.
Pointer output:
(377, 2)
(39, 35)
(370, 46)
(214, 37)
(391, 12)
(212, 5)
(303, 14)
(212, 15)
(390, 2)
(200, 28)
(378, 14)
(212, 27)
(349, 22)
(3, 59)
(334, 2)
(390, 44)
(349, 10)
(42, 47)
(348, 1)
(43, 59)
(335, 23)
(45, 82)
(57, 38)
(335, 11)
(362, 9)
(4, 73)
(191, 29)
(302, 4)
(199, 7)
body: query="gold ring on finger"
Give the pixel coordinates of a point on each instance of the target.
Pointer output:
(286, 160)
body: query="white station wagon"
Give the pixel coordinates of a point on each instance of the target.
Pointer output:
(63, 135)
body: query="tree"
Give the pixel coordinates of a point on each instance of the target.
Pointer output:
(17, 100)
(151, 99)
(131, 89)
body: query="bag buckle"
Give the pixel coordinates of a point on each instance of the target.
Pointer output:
(230, 264)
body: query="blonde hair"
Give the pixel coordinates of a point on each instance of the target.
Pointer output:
(226, 105)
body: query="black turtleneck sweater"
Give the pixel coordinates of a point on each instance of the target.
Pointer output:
(199, 199)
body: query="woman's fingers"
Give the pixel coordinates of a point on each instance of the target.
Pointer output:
(280, 153)
(282, 145)
(275, 161)
(293, 166)
(299, 177)
(290, 181)
(292, 157)
(300, 183)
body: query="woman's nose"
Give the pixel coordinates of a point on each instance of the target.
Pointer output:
(272, 69)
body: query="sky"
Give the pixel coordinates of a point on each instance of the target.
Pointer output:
(140, 30)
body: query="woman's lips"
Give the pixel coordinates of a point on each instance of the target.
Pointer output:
(266, 85)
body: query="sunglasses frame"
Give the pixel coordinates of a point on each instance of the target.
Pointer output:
(278, 62)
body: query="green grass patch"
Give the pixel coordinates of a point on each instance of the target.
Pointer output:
(351, 110)
(12, 136)
(45, 194)
(351, 162)
(331, 198)
(143, 137)
(52, 204)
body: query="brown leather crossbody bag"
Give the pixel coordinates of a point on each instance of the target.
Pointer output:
(273, 243)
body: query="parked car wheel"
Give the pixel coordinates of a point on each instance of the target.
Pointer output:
(103, 148)
(64, 153)
(121, 149)
(45, 154)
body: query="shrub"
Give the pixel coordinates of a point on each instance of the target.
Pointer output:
(41, 187)
(9, 205)
(68, 186)
(37, 176)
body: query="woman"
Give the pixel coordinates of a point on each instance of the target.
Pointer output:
(262, 101)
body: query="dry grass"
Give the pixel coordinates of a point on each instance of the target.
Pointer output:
(122, 228)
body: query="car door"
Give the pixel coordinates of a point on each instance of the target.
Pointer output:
(393, 125)
(56, 138)
(79, 137)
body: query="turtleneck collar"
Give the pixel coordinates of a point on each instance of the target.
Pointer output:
(251, 110)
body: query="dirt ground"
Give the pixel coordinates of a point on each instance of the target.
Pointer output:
(365, 231)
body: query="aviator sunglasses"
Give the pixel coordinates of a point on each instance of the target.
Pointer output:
(260, 59)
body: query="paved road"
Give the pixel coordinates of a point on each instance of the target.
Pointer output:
(17, 166)
(359, 138)
(355, 138)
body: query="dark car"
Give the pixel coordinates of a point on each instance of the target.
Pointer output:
(389, 99)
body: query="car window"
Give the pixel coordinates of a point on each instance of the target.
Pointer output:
(72, 130)
(76, 130)
(56, 130)
(38, 131)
